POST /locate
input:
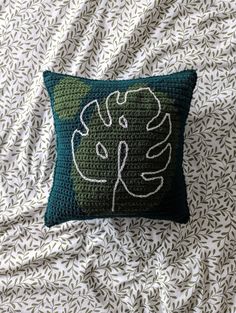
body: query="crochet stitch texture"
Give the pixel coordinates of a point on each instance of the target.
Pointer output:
(119, 147)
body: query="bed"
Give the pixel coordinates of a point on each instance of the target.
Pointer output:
(117, 265)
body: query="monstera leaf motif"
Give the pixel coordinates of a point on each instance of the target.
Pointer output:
(123, 152)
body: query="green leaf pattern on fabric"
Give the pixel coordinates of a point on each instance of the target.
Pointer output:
(117, 265)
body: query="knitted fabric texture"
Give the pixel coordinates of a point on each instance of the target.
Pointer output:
(119, 147)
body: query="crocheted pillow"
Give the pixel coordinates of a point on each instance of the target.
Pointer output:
(119, 147)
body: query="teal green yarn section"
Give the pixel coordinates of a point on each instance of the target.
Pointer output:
(66, 202)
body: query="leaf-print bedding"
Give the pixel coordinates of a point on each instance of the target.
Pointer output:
(117, 265)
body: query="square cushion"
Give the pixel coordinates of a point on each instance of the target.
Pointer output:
(119, 147)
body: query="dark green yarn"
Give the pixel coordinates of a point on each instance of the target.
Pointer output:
(71, 197)
(95, 198)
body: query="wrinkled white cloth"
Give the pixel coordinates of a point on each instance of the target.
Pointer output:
(117, 265)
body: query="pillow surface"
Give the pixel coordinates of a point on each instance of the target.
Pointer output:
(119, 147)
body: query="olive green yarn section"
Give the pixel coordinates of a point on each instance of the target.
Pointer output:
(139, 109)
(163, 97)
(68, 94)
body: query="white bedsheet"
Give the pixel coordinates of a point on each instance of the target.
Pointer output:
(117, 265)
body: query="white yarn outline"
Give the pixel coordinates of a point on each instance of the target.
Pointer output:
(92, 180)
(104, 150)
(120, 166)
(123, 121)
